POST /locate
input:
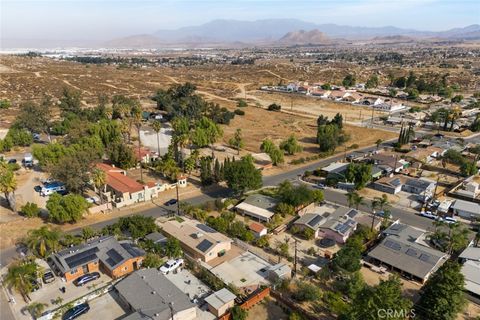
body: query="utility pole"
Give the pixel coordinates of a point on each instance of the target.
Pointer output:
(373, 112)
(295, 259)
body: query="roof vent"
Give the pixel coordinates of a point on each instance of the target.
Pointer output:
(198, 235)
(154, 292)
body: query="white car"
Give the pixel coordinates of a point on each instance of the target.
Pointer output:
(171, 265)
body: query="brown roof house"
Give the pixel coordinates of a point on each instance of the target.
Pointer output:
(115, 258)
(197, 239)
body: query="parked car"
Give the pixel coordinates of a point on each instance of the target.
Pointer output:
(48, 277)
(86, 278)
(12, 161)
(50, 188)
(171, 265)
(450, 220)
(320, 186)
(37, 189)
(93, 200)
(76, 311)
(170, 202)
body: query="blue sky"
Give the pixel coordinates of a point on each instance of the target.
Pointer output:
(100, 20)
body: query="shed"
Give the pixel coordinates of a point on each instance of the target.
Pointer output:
(220, 302)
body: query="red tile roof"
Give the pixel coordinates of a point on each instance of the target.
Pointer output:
(256, 227)
(118, 181)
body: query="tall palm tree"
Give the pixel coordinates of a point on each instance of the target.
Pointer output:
(358, 200)
(383, 201)
(8, 184)
(20, 276)
(43, 241)
(350, 198)
(99, 179)
(136, 116)
(157, 126)
(374, 205)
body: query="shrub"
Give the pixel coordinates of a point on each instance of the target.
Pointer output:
(30, 210)
(239, 112)
(274, 107)
(5, 104)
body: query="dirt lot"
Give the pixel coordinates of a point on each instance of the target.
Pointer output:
(267, 309)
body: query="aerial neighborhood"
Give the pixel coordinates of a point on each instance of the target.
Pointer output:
(297, 175)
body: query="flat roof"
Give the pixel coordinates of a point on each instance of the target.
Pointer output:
(335, 167)
(471, 272)
(466, 206)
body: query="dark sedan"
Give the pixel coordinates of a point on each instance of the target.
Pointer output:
(76, 311)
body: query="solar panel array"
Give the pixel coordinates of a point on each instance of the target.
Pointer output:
(352, 213)
(82, 257)
(395, 182)
(411, 252)
(132, 250)
(342, 228)
(424, 257)
(113, 257)
(206, 228)
(204, 245)
(314, 221)
(392, 245)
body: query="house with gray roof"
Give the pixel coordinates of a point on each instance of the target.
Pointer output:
(148, 294)
(115, 258)
(470, 257)
(337, 225)
(466, 209)
(258, 206)
(403, 250)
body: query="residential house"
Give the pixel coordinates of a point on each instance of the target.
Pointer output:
(197, 239)
(258, 229)
(404, 250)
(337, 225)
(115, 258)
(391, 185)
(258, 206)
(389, 159)
(470, 258)
(352, 97)
(143, 155)
(280, 271)
(148, 294)
(122, 190)
(335, 170)
(466, 209)
(388, 107)
(336, 95)
(220, 302)
(425, 155)
(321, 93)
(421, 187)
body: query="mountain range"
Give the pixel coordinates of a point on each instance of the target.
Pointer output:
(282, 32)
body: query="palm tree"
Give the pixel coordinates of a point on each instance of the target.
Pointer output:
(43, 241)
(136, 114)
(99, 179)
(88, 233)
(20, 276)
(157, 126)
(457, 237)
(358, 200)
(374, 205)
(350, 198)
(383, 201)
(8, 184)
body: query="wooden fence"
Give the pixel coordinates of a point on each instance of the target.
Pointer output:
(250, 302)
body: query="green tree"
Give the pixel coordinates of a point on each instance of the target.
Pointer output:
(36, 309)
(43, 241)
(152, 260)
(378, 143)
(121, 155)
(238, 313)
(443, 297)
(349, 80)
(99, 179)
(241, 103)
(137, 226)
(69, 208)
(371, 301)
(8, 184)
(34, 117)
(307, 292)
(173, 248)
(30, 210)
(241, 175)
(276, 155)
(237, 141)
(157, 127)
(88, 233)
(328, 137)
(19, 277)
(291, 146)
(458, 98)
(70, 102)
(73, 170)
(372, 82)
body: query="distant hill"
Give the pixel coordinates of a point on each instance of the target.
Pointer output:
(284, 32)
(302, 37)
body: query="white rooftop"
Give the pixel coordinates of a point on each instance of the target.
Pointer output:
(220, 298)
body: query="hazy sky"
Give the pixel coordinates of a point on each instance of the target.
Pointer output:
(107, 19)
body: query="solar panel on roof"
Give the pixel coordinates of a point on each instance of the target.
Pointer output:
(395, 182)
(205, 228)
(113, 257)
(314, 221)
(132, 250)
(424, 257)
(411, 252)
(392, 245)
(204, 245)
(82, 257)
(395, 227)
(352, 213)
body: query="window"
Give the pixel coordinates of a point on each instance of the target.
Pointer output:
(73, 271)
(125, 268)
